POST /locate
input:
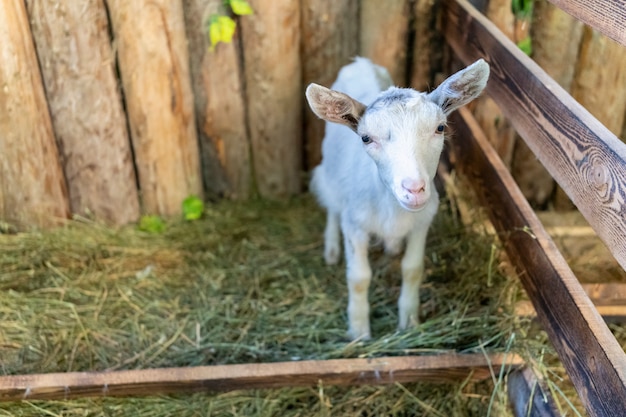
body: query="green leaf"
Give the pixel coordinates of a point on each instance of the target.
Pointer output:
(193, 208)
(221, 29)
(151, 224)
(241, 7)
(526, 45)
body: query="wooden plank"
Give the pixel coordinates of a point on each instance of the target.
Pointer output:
(384, 370)
(564, 310)
(607, 16)
(608, 298)
(154, 67)
(326, 47)
(584, 157)
(217, 77)
(77, 64)
(32, 185)
(528, 398)
(273, 79)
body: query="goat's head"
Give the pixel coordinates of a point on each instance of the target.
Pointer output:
(403, 129)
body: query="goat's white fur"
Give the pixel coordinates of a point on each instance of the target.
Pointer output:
(383, 188)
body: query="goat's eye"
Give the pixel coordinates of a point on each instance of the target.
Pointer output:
(366, 139)
(440, 128)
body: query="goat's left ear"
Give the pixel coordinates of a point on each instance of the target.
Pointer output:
(462, 87)
(334, 106)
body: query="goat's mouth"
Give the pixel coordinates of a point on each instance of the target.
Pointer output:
(411, 203)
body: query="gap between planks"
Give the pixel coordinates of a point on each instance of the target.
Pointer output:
(374, 371)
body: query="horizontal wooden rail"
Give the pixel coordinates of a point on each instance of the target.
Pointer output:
(592, 357)
(606, 16)
(582, 155)
(385, 370)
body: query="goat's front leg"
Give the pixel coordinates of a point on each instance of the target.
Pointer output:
(412, 276)
(359, 275)
(332, 245)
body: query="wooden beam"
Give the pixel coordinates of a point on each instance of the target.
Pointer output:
(592, 357)
(582, 155)
(609, 299)
(606, 16)
(384, 370)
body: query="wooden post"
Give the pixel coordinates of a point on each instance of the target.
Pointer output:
(384, 35)
(32, 186)
(427, 45)
(326, 47)
(220, 107)
(154, 65)
(77, 65)
(271, 50)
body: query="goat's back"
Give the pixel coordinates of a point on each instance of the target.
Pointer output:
(362, 80)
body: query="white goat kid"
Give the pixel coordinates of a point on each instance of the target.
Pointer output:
(379, 182)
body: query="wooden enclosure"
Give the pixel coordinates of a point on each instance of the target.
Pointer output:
(233, 119)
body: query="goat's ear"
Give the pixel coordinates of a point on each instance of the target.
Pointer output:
(334, 106)
(462, 87)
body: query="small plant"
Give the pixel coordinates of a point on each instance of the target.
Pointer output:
(151, 224)
(193, 207)
(221, 27)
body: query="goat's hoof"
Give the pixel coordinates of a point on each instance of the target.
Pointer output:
(357, 335)
(331, 256)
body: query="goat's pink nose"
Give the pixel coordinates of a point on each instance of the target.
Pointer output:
(414, 186)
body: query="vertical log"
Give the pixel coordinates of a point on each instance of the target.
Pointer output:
(271, 50)
(77, 65)
(384, 35)
(600, 79)
(154, 65)
(219, 102)
(32, 186)
(426, 46)
(556, 40)
(496, 127)
(326, 47)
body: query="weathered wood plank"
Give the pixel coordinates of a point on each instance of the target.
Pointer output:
(77, 63)
(584, 157)
(385, 370)
(32, 186)
(592, 357)
(607, 16)
(154, 67)
(528, 398)
(271, 53)
(217, 78)
(326, 47)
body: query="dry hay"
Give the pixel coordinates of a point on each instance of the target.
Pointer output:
(247, 283)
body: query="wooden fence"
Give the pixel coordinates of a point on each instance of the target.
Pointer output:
(116, 108)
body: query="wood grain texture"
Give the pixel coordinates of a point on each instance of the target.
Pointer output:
(584, 157)
(384, 35)
(592, 357)
(273, 79)
(32, 186)
(154, 67)
(607, 16)
(427, 47)
(77, 64)
(384, 370)
(326, 47)
(219, 103)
